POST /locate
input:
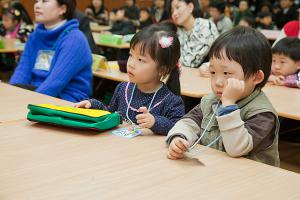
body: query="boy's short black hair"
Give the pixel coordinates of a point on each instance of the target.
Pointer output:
(249, 20)
(264, 14)
(127, 13)
(246, 46)
(71, 6)
(218, 4)
(289, 47)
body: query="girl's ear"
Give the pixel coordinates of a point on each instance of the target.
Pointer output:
(258, 77)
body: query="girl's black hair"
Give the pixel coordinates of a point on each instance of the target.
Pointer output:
(246, 46)
(13, 14)
(289, 47)
(196, 11)
(71, 6)
(25, 16)
(166, 58)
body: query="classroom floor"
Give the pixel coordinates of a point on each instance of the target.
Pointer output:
(290, 155)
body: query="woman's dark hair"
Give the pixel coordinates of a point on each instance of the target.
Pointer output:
(246, 46)
(102, 8)
(196, 11)
(71, 6)
(289, 47)
(166, 58)
(218, 4)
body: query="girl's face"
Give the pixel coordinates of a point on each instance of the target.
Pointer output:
(214, 13)
(48, 12)
(222, 69)
(144, 15)
(159, 3)
(141, 69)
(8, 22)
(97, 3)
(181, 12)
(283, 65)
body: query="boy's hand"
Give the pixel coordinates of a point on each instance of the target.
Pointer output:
(276, 80)
(83, 104)
(145, 120)
(233, 91)
(177, 148)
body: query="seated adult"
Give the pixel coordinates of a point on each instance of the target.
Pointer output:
(57, 59)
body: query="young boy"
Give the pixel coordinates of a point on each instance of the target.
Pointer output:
(286, 63)
(216, 11)
(238, 112)
(265, 21)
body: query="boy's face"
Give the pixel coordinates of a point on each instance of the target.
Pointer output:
(223, 69)
(283, 65)
(214, 13)
(120, 15)
(243, 6)
(285, 3)
(266, 20)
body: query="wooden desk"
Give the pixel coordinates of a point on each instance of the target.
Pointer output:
(121, 46)
(14, 102)
(270, 34)
(191, 84)
(44, 162)
(285, 100)
(11, 46)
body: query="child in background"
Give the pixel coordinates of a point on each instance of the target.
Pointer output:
(265, 21)
(247, 22)
(242, 12)
(216, 11)
(14, 28)
(287, 12)
(123, 24)
(237, 118)
(145, 18)
(159, 11)
(97, 12)
(286, 63)
(131, 7)
(146, 100)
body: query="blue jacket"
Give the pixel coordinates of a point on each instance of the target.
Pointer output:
(70, 75)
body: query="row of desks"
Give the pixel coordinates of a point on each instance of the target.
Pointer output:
(46, 162)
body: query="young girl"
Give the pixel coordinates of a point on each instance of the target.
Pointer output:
(57, 59)
(146, 100)
(97, 12)
(13, 26)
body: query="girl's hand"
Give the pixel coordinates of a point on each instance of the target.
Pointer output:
(83, 104)
(276, 80)
(233, 91)
(145, 120)
(177, 148)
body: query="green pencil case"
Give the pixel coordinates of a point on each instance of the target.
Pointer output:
(99, 120)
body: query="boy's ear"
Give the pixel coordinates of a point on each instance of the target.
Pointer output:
(298, 64)
(258, 77)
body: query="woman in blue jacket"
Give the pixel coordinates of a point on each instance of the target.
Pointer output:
(57, 59)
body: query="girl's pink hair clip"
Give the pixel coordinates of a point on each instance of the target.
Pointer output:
(165, 42)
